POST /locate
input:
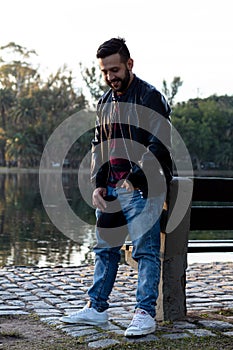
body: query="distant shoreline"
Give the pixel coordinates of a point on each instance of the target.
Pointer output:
(202, 173)
(14, 170)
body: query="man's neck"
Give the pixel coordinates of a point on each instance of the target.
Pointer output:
(131, 79)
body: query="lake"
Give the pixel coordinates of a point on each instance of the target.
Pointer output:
(29, 237)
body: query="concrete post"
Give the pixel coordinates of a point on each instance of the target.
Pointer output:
(171, 303)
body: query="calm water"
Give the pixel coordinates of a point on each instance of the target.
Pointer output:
(28, 237)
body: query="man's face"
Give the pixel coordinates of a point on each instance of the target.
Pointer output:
(116, 73)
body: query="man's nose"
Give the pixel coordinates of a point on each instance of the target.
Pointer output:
(110, 76)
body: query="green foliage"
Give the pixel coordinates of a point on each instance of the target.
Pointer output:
(93, 79)
(17, 74)
(206, 126)
(30, 108)
(171, 92)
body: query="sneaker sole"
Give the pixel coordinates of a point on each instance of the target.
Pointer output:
(139, 332)
(84, 322)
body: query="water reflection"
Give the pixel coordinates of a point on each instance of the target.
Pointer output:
(27, 236)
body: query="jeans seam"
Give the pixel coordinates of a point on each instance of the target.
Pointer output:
(103, 280)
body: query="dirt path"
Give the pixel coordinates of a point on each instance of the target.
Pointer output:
(26, 332)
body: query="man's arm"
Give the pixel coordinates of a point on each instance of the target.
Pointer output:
(155, 135)
(99, 170)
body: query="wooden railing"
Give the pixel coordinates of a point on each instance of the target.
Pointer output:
(212, 209)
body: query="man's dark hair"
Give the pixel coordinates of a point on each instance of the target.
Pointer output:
(112, 46)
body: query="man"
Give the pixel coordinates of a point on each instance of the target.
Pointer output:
(131, 165)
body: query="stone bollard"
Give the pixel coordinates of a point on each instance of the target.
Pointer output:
(171, 302)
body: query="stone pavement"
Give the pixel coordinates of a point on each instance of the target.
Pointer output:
(51, 292)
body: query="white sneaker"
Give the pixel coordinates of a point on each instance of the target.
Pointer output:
(141, 324)
(88, 315)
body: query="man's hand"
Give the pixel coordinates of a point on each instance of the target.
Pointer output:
(97, 198)
(127, 185)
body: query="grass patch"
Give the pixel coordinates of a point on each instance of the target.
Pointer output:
(191, 343)
(10, 334)
(225, 312)
(28, 332)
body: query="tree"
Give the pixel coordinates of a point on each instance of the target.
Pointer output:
(30, 108)
(23, 148)
(18, 78)
(173, 90)
(206, 126)
(18, 74)
(55, 101)
(7, 99)
(94, 82)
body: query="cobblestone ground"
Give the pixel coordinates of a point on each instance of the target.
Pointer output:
(52, 292)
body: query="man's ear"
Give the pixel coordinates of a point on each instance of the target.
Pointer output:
(130, 64)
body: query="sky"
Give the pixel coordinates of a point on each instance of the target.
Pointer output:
(192, 39)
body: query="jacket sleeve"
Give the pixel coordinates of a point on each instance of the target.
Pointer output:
(155, 164)
(99, 167)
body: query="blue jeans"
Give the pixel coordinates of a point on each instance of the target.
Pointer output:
(143, 223)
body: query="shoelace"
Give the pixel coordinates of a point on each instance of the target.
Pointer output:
(85, 309)
(137, 320)
(78, 313)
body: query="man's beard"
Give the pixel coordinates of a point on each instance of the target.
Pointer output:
(124, 82)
